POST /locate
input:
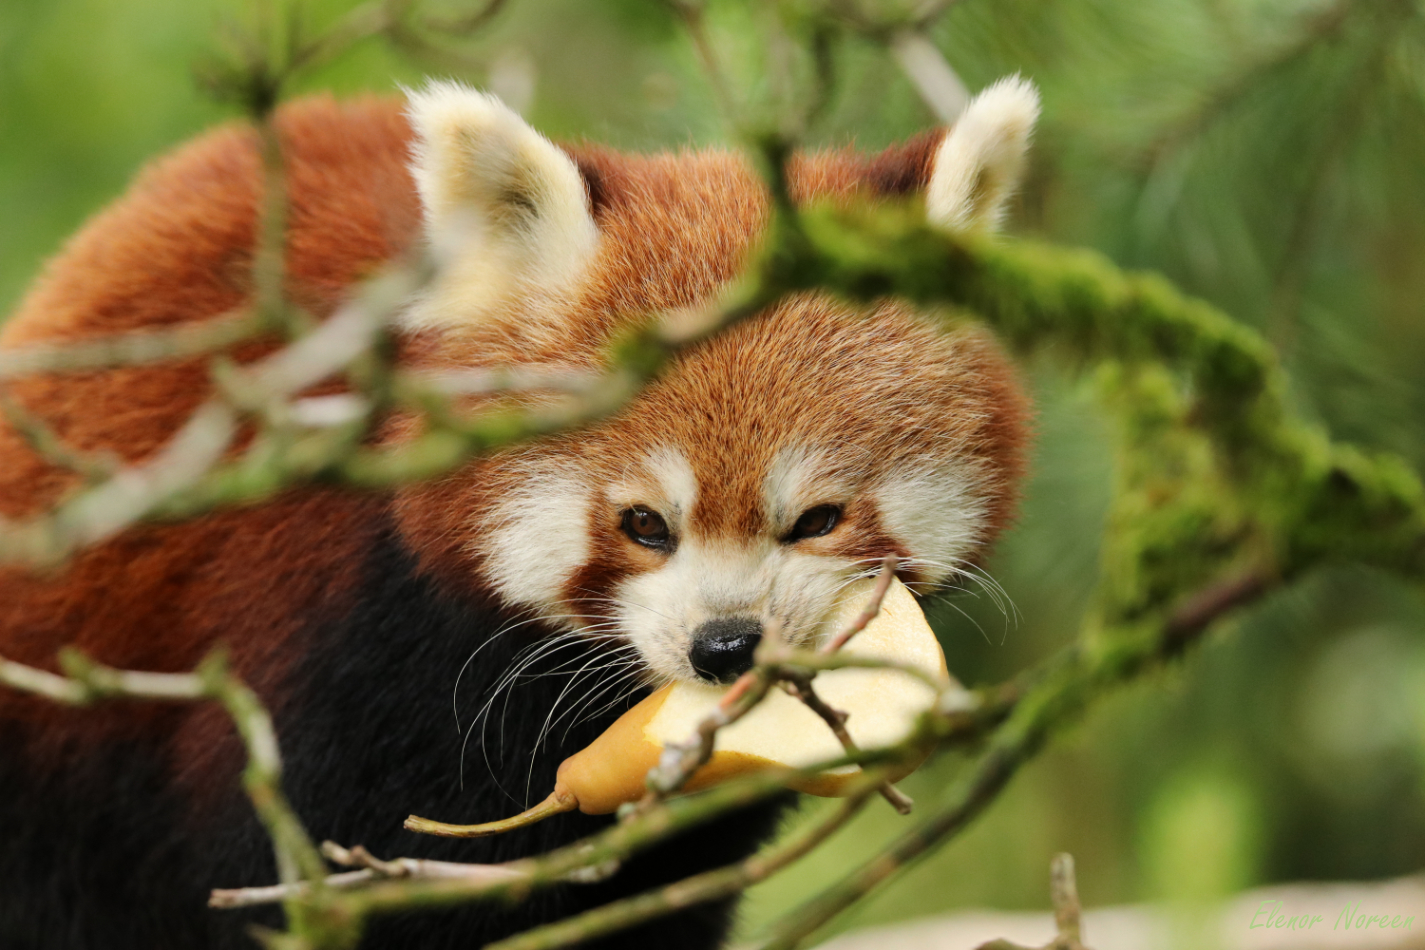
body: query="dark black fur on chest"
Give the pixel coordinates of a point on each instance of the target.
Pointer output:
(369, 738)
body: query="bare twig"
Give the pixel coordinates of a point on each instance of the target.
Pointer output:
(905, 37)
(967, 799)
(692, 14)
(800, 682)
(1198, 611)
(93, 467)
(1065, 896)
(361, 22)
(872, 608)
(269, 261)
(796, 662)
(500, 380)
(802, 688)
(469, 23)
(1064, 893)
(109, 507)
(39, 682)
(934, 78)
(372, 869)
(681, 759)
(134, 348)
(182, 475)
(232, 898)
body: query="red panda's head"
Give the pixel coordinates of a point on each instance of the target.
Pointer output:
(767, 467)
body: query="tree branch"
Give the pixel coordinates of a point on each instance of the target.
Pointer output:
(133, 348)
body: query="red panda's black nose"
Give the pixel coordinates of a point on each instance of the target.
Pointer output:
(722, 649)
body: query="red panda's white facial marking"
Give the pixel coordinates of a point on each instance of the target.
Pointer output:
(537, 537)
(936, 512)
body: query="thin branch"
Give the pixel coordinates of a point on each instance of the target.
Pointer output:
(233, 898)
(774, 664)
(133, 348)
(699, 889)
(692, 13)
(504, 380)
(92, 467)
(269, 260)
(873, 606)
(835, 719)
(783, 663)
(972, 795)
(1064, 893)
(680, 760)
(906, 38)
(361, 22)
(28, 679)
(185, 467)
(801, 683)
(372, 869)
(412, 34)
(470, 23)
(108, 508)
(1065, 896)
(623, 839)
(932, 75)
(1197, 613)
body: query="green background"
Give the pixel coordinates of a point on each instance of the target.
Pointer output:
(1266, 156)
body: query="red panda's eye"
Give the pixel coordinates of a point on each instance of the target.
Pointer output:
(814, 523)
(646, 527)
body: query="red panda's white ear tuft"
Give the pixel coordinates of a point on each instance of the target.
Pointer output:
(506, 211)
(979, 164)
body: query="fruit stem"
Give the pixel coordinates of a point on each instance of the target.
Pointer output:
(558, 802)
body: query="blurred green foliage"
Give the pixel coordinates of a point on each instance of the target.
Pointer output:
(1263, 154)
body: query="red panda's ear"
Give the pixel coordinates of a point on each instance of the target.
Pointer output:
(506, 211)
(979, 163)
(903, 170)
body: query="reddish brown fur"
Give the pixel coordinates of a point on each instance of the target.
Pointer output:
(674, 228)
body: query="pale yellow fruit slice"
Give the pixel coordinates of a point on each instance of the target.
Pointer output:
(780, 732)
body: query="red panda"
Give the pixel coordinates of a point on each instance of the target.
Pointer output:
(760, 472)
